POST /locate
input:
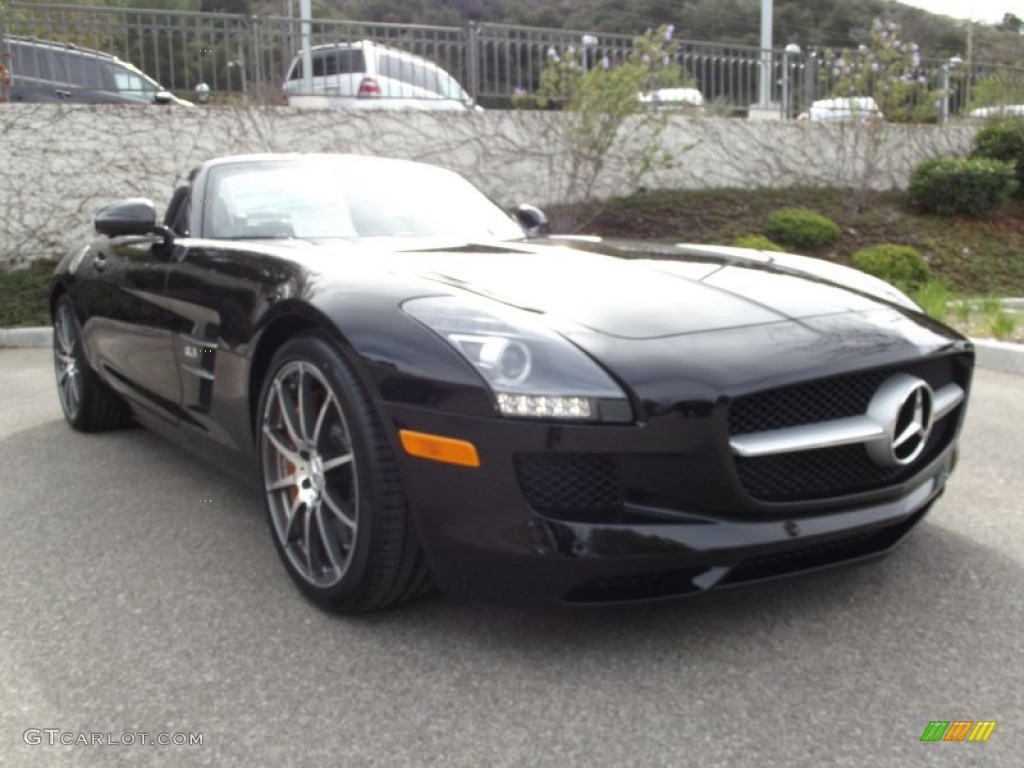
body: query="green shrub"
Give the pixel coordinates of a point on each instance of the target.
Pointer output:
(801, 228)
(1003, 325)
(975, 186)
(933, 297)
(757, 242)
(1003, 141)
(900, 265)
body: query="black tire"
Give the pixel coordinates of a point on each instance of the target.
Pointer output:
(334, 500)
(88, 404)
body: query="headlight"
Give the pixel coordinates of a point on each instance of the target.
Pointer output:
(532, 371)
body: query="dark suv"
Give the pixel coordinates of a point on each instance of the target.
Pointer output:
(44, 71)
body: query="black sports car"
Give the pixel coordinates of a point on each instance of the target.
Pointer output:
(432, 392)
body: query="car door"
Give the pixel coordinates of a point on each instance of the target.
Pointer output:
(127, 328)
(217, 291)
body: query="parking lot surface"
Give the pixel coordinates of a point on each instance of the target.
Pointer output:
(141, 594)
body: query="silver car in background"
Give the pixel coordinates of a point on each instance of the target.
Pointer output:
(368, 75)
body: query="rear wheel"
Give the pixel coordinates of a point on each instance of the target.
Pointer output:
(335, 504)
(88, 405)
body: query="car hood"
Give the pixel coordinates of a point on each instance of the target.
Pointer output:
(644, 291)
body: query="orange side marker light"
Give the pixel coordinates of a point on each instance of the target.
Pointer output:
(437, 448)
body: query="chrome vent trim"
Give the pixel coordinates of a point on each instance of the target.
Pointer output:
(829, 434)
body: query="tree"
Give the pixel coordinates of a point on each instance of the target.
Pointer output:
(888, 68)
(601, 108)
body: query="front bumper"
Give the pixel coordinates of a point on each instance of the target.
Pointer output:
(484, 539)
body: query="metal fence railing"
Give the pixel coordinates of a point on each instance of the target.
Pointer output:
(241, 56)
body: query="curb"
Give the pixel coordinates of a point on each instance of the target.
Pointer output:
(991, 355)
(999, 356)
(26, 337)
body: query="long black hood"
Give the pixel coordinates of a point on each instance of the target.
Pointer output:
(653, 292)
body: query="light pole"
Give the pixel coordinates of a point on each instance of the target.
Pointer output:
(952, 64)
(765, 80)
(588, 41)
(306, 14)
(791, 50)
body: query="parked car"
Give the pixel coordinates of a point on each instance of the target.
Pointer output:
(426, 394)
(688, 99)
(999, 110)
(368, 75)
(853, 109)
(45, 71)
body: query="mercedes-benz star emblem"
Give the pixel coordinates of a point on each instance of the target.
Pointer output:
(903, 406)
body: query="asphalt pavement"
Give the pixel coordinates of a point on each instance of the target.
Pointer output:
(141, 594)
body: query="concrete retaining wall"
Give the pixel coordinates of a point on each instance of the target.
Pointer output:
(58, 164)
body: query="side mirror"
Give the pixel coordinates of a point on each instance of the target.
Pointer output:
(134, 216)
(532, 219)
(163, 97)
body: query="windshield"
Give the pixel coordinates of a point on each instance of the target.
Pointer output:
(351, 198)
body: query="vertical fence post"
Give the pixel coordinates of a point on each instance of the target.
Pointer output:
(473, 61)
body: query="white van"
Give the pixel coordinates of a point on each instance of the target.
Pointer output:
(853, 109)
(368, 75)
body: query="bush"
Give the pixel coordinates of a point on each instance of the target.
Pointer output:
(801, 228)
(975, 186)
(900, 265)
(1003, 141)
(757, 242)
(933, 297)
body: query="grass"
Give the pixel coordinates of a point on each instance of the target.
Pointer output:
(973, 257)
(24, 294)
(982, 317)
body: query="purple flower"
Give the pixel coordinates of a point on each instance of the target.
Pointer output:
(892, 26)
(916, 59)
(669, 31)
(605, 63)
(518, 91)
(884, 34)
(552, 53)
(665, 60)
(874, 66)
(922, 79)
(879, 26)
(915, 47)
(570, 50)
(646, 58)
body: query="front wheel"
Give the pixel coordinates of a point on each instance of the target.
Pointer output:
(88, 405)
(334, 500)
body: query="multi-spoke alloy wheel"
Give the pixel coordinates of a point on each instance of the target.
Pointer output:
(87, 403)
(309, 472)
(65, 360)
(335, 504)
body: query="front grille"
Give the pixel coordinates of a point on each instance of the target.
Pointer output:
(570, 486)
(825, 399)
(839, 471)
